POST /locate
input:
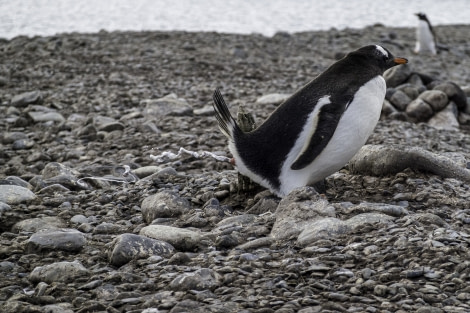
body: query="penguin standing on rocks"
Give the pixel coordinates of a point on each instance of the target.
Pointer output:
(425, 37)
(317, 130)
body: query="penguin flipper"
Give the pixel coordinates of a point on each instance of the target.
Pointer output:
(227, 124)
(324, 128)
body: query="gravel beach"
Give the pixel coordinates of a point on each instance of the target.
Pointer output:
(91, 222)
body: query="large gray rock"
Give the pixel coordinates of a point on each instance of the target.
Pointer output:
(12, 194)
(62, 272)
(163, 204)
(59, 239)
(180, 238)
(297, 210)
(127, 247)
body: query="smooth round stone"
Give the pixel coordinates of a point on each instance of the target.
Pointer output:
(61, 239)
(129, 246)
(435, 98)
(62, 272)
(419, 110)
(22, 144)
(400, 100)
(12, 194)
(36, 224)
(454, 93)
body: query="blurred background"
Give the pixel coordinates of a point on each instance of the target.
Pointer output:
(48, 17)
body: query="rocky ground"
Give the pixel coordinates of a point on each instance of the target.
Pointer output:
(90, 222)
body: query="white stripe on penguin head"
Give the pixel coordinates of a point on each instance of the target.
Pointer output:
(382, 50)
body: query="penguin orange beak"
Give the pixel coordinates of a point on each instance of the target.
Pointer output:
(400, 60)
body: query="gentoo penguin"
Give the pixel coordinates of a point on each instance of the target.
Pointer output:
(317, 130)
(425, 38)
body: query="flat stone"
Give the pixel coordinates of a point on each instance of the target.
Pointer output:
(168, 105)
(58, 239)
(26, 98)
(127, 247)
(62, 272)
(324, 228)
(38, 223)
(38, 117)
(180, 238)
(12, 194)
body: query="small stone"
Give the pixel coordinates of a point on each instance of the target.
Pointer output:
(411, 91)
(62, 239)
(10, 137)
(145, 171)
(26, 98)
(63, 272)
(207, 110)
(23, 144)
(435, 98)
(127, 247)
(12, 194)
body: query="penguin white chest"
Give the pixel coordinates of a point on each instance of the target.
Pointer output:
(424, 39)
(353, 129)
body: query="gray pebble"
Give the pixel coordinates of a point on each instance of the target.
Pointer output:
(180, 238)
(168, 105)
(419, 110)
(400, 100)
(163, 204)
(435, 98)
(12, 194)
(26, 98)
(201, 279)
(58, 272)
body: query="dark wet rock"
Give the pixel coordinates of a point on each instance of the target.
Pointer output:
(26, 98)
(127, 247)
(58, 272)
(180, 238)
(163, 204)
(13, 194)
(61, 239)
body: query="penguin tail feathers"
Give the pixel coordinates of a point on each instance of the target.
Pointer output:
(227, 123)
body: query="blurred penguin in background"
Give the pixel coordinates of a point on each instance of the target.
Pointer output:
(425, 37)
